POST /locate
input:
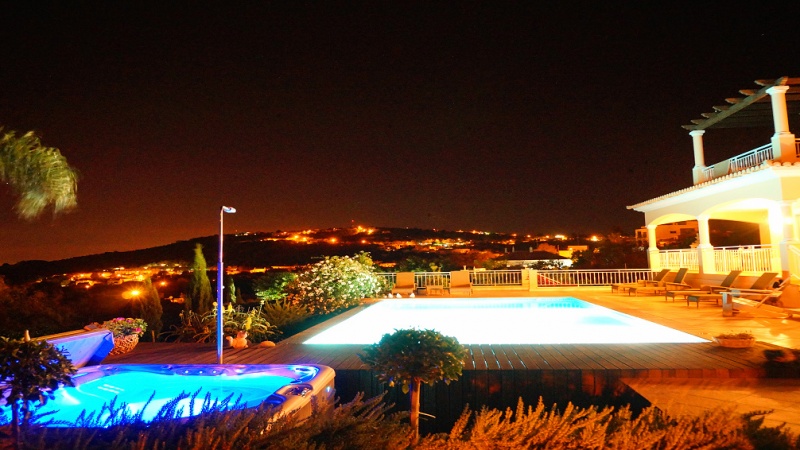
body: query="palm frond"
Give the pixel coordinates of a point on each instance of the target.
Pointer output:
(39, 176)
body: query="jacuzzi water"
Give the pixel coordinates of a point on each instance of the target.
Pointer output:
(562, 320)
(131, 386)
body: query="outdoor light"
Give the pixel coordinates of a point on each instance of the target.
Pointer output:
(222, 211)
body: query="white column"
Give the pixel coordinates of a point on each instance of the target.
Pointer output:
(789, 239)
(783, 147)
(653, 257)
(705, 251)
(699, 156)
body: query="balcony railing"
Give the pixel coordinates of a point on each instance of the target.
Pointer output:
(752, 158)
(676, 259)
(544, 278)
(587, 277)
(749, 258)
(496, 278)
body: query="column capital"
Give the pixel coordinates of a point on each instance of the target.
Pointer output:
(697, 132)
(777, 90)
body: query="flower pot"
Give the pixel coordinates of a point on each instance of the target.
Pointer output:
(735, 342)
(124, 344)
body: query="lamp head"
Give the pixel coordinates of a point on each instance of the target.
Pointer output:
(228, 209)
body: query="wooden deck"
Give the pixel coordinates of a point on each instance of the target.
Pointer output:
(494, 375)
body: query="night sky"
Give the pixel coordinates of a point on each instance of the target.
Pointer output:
(526, 117)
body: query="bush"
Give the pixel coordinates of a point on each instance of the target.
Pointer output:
(283, 314)
(335, 283)
(272, 286)
(195, 327)
(367, 424)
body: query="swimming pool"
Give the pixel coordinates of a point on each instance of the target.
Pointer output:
(289, 387)
(553, 320)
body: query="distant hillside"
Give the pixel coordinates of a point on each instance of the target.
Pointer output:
(251, 250)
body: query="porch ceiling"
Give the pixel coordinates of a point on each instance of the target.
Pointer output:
(753, 110)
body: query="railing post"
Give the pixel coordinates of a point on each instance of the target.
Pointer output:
(533, 276)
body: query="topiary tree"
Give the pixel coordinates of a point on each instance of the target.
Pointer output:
(412, 357)
(199, 297)
(31, 371)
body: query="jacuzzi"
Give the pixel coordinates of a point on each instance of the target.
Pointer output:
(143, 390)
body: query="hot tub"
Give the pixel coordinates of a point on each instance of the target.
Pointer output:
(288, 387)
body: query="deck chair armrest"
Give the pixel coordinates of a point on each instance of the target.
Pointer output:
(714, 289)
(752, 291)
(678, 286)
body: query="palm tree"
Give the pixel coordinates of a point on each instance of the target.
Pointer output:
(39, 176)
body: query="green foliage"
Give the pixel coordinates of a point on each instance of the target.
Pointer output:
(358, 425)
(42, 308)
(282, 313)
(411, 357)
(539, 428)
(196, 327)
(199, 297)
(150, 309)
(40, 176)
(230, 294)
(366, 424)
(335, 283)
(762, 437)
(411, 353)
(272, 286)
(31, 371)
(425, 263)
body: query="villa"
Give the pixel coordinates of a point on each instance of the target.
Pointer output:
(760, 186)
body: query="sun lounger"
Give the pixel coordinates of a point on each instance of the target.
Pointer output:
(677, 283)
(459, 283)
(404, 283)
(659, 287)
(756, 288)
(761, 300)
(617, 287)
(706, 289)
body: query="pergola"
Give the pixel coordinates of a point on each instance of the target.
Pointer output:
(761, 186)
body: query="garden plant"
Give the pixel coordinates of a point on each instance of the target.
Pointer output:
(411, 357)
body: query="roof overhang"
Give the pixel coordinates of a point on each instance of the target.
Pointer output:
(753, 110)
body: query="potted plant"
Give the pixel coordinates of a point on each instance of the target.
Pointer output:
(741, 339)
(30, 371)
(127, 332)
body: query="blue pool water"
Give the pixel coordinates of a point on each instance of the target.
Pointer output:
(562, 320)
(130, 387)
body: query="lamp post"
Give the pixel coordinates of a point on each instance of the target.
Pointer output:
(222, 211)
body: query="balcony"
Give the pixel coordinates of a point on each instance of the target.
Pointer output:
(751, 158)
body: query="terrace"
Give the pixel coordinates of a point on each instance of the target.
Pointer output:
(686, 376)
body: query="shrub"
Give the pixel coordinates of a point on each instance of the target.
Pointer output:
(366, 424)
(196, 327)
(31, 371)
(282, 313)
(272, 286)
(335, 283)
